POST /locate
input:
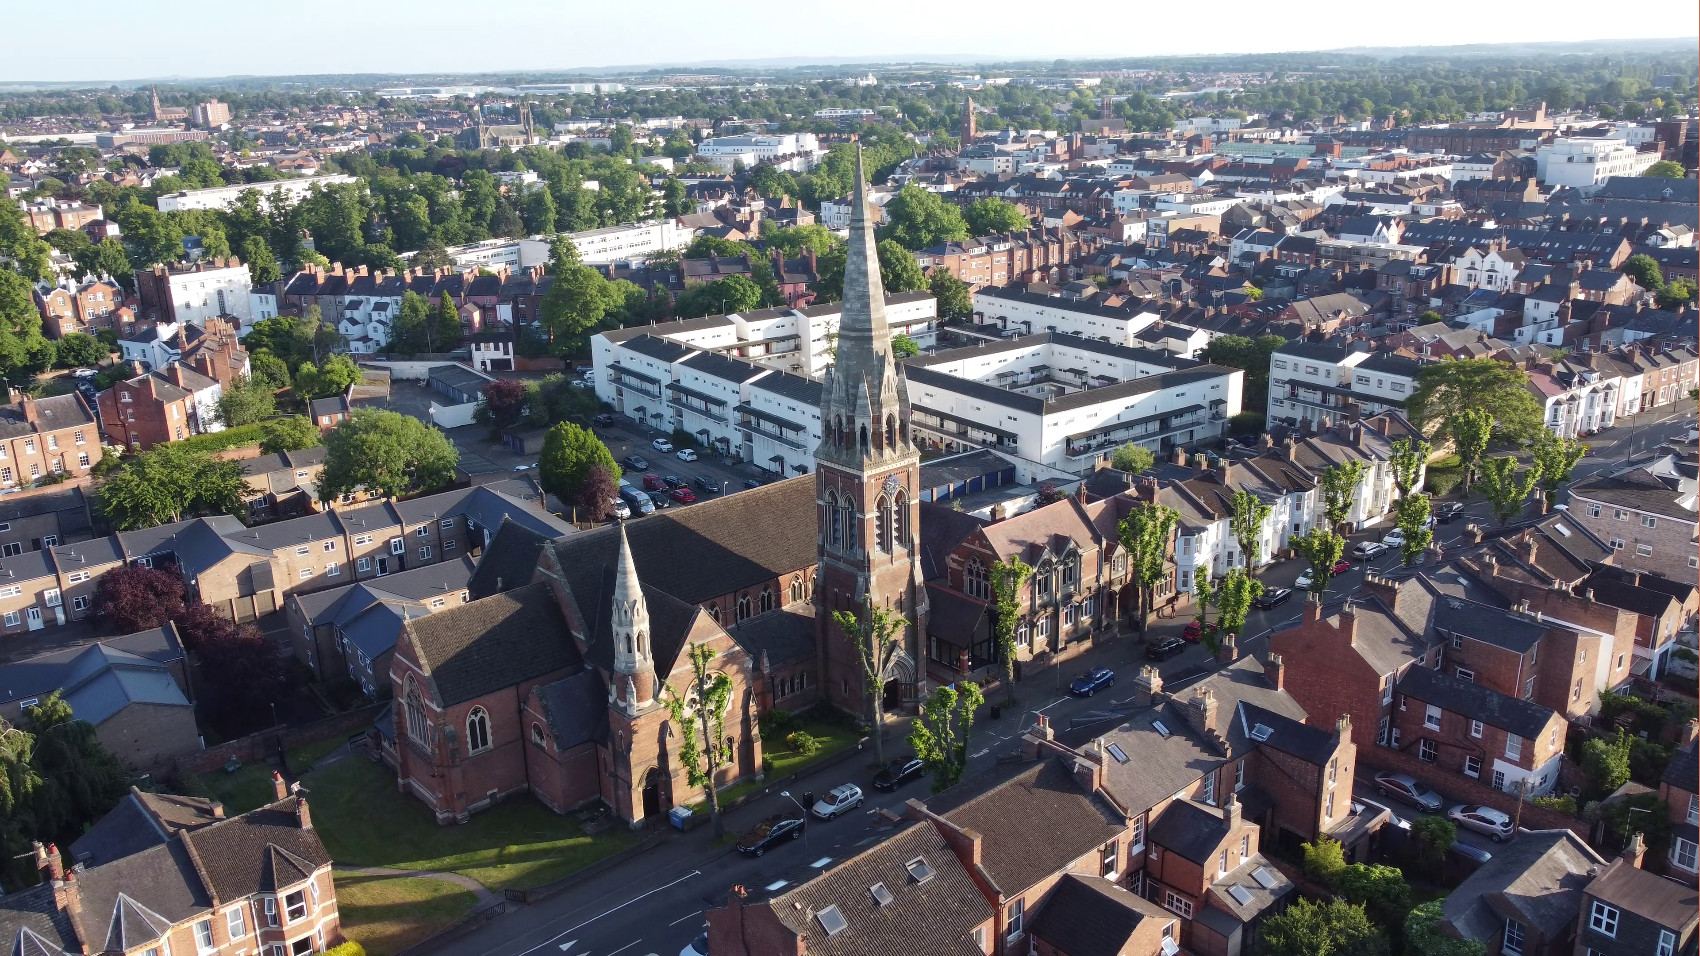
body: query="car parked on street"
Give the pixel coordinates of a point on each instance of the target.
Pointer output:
(635, 463)
(762, 836)
(602, 421)
(662, 445)
(683, 495)
(619, 509)
(1484, 820)
(1448, 512)
(1195, 631)
(707, 483)
(752, 484)
(1164, 648)
(653, 482)
(1364, 550)
(1272, 598)
(687, 454)
(696, 947)
(661, 500)
(1394, 539)
(899, 772)
(839, 801)
(1405, 787)
(1093, 681)
(1342, 566)
(672, 481)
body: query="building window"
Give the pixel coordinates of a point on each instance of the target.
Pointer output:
(306, 573)
(330, 545)
(398, 546)
(1648, 521)
(974, 579)
(364, 564)
(1644, 550)
(1381, 732)
(1602, 919)
(1464, 673)
(477, 730)
(1513, 945)
(1017, 914)
(1513, 747)
(1427, 751)
(1431, 717)
(295, 906)
(235, 923)
(1684, 854)
(1111, 860)
(1472, 766)
(1210, 788)
(52, 598)
(425, 553)
(448, 545)
(1667, 943)
(80, 602)
(271, 911)
(423, 531)
(1177, 904)
(417, 729)
(1476, 729)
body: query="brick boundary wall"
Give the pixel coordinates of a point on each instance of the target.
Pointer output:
(255, 747)
(1465, 790)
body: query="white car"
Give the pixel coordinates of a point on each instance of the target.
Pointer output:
(696, 947)
(1395, 538)
(1305, 580)
(686, 454)
(1482, 820)
(841, 800)
(661, 445)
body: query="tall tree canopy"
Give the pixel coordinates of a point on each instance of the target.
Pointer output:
(387, 453)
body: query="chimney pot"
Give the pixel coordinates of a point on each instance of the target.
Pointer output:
(280, 789)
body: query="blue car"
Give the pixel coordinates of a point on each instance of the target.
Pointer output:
(1092, 682)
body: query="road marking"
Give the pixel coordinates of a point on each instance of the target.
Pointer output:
(569, 944)
(775, 886)
(683, 918)
(616, 909)
(625, 947)
(1059, 700)
(823, 861)
(981, 753)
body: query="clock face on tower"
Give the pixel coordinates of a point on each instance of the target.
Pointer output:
(891, 483)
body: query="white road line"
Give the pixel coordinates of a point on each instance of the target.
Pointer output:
(1059, 700)
(616, 909)
(625, 947)
(569, 944)
(981, 753)
(683, 918)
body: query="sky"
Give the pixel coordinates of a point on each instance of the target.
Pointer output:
(268, 37)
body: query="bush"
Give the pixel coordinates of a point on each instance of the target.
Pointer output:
(803, 743)
(1563, 803)
(1441, 482)
(227, 439)
(776, 724)
(1606, 763)
(1247, 423)
(1324, 861)
(350, 948)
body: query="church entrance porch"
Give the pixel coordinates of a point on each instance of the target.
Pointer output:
(652, 796)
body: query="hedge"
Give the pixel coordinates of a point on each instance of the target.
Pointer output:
(229, 438)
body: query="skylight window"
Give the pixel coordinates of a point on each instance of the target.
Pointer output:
(1158, 726)
(1240, 894)
(1261, 732)
(832, 920)
(882, 896)
(920, 870)
(1265, 877)
(1117, 752)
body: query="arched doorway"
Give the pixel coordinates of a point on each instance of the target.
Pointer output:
(652, 793)
(892, 697)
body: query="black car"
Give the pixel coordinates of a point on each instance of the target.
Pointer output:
(660, 500)
(752, 483)
(635, 462)
(707, 483)
(1164, 649)
(765, 834)
(1273, 597)
(898, 772)
(602, 421)
(1448, 512)
(673, 481)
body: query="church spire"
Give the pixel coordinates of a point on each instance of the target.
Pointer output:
(630, 620)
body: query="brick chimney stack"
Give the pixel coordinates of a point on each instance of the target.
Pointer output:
(1275, 669)
(31, 413)
(1228, 651)
(67, 894)
(1147, 686)
(280, 789)
(49, 863)
(302, 816)
(1201, 710)
(1635, 851)
(1231, 812)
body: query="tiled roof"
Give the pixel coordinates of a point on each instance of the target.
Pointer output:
(1089, 916)
(1525, 718)
(1539, 876)
(257, 852)
(1035, 824)
(493, 642)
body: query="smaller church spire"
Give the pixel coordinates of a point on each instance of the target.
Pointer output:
(630, 620)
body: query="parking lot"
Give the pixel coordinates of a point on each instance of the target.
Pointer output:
(625, 438)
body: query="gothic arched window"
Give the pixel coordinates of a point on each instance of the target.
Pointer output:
(900, 518)
(890, 432)
(838, 430)
(766, 602)
(714, 612)
(537, 734)
(835, 520)
(974, 579)
(477, 730)
(417, 728)
(882, 524)
(796, 589)
(862, 432)
(743, 606)
(850, 535)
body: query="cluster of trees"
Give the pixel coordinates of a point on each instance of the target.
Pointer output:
(241, 676)
(386, 453)
(1644, 269)
(168, 483)
(579, 470)
(55, 781)
(1251, 355)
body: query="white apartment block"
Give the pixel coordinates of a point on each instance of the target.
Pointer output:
(1576, 401)
(1013, 308)
(625, 242)
(1065, 401)
(203, 293)
(286, 191)
(1490, 269)
(795, 151)
(1586, 162)
(1313, 381)
(366, 322)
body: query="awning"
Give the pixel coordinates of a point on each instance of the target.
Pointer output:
(693, 393)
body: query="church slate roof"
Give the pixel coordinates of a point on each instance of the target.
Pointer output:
(493, 643)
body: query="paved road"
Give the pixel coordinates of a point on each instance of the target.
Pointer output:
(655, 903)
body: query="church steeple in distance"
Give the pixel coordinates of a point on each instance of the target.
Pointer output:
(633, 659)
(864, 401)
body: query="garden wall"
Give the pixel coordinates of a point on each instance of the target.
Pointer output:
(256, 747)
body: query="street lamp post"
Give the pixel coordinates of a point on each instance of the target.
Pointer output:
(787, 795)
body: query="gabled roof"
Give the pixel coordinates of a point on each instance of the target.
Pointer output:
(1525, 718)
(1034, 824)
(1663, 901)
(1090, 916)
(492, 643)
(258, 852)
(1536, 879)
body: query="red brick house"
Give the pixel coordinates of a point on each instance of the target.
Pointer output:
(1680, 790)
(154, 408)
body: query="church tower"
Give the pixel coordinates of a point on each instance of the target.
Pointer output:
(969, 131)
(867, 479)
(632, 687)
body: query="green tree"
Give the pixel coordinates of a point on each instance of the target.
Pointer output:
(411, 333)
(1450, 387)
(1147, 534)
(1203, 598)
(1606, 763)
(1644, 269)
(1322, 929)
(793, 241)
(265, 367)
(445, 328)
(570, 453)
(1471, 430)
(700, 719)
(734, 293)
(1233, 599)
(902, 347)
(262, 265)
(80, 779)
(950, 295)
(991, 214)
(1324, 861)
(1555, 458)
(1429, 317)
(1506, 494)
(246, 402)
(563, 252)
(80, 348)
(1321, 548)
(108, 258)
(539, 214)
(1380, 890)
(916, 219)
(1007, 578)
(575, 305)
(899, 272)
(876, 634)
(1424, 935)
(1246, 524)
(1340, 485)
(333, 377)
(1677, 293)
(1665, 169)
(1133, 458)
(1407, 460)
(1411, 515)
(290, 434)
(170, 483)
(1434, 836)
(941, 732)
(385, 452)
(432, 255)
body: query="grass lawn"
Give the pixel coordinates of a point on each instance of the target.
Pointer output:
(247, 788)
(832, 738)
(365, 820)
(300, 758)
(386, 915)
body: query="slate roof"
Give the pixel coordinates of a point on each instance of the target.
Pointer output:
(576, 708)
(139, 821)
(1525, 718)
(1491, 625)
(1090, 916)
(1683, 771)
(1648, 895)
(1034, 824)
(257, 852)
(1189, 829)
(52, 413)
(934, 918)
(508, 561)
(1636, 488)
(493, 642)
(785, 636)
(62, 668)
(1536, 879)
(30, 925)
(131, 903)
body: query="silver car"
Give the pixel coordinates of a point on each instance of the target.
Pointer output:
(841, 800)
(1405, 787)
(1485, 820)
